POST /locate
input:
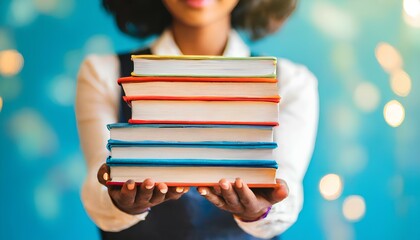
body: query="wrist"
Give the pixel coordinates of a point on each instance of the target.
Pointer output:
(254, 219)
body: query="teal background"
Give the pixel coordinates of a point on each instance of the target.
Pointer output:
(42, 167)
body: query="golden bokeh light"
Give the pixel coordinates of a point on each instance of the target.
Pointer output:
(331, 186)
(400, 83)
(1, 103)
(11, 62)
(388, 57)
(394, 113)
(354, 208)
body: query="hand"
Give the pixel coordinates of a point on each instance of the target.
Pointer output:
(244, 203)
(134, 199)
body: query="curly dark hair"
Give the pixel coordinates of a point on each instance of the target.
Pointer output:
(142, 18)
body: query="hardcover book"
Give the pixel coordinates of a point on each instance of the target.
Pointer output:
(204, 66)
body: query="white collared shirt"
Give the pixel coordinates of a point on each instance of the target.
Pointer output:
(97, 104)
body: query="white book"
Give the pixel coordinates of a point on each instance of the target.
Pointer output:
(190, 133)
(196, 66)
(207, 112)
(193, 176)
(191, 151)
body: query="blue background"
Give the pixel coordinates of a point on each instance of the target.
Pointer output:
(42, 167)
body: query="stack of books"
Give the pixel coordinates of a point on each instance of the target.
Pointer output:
(196, 120)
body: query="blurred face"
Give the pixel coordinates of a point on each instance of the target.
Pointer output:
(199, 12)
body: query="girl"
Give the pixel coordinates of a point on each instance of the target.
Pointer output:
(232, 210)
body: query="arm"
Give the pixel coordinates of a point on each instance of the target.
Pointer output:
(295, 136)
(97, 105)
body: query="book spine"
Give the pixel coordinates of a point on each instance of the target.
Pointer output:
(134, 79)
(139, 121)
(175, 184)
(274, 99)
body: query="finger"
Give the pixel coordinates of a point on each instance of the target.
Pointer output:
(175, 193)
(145, 191)
(103, 174)
(159, 194)
(278, 193)
(230, 196)
(213, 198)
(127, 193)
(246, 196)
(216, 190)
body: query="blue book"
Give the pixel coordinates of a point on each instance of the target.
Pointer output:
(192, 150)
(192, 162)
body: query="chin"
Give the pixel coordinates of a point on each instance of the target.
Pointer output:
(200, 12)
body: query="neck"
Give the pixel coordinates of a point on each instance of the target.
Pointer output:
(203, 40)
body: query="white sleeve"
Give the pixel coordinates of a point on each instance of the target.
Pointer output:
(295, 136)
(97, 99)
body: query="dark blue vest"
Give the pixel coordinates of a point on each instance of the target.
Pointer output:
(190, 217)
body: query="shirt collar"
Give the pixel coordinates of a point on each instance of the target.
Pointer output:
(165, 45)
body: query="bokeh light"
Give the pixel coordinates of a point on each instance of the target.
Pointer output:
(343, 56)
(343, 120)
(396, 186)
(1, 103)
(366, 96)
(56, 8)
(400, 83)
(354, 208)
(388, 57)
(62, 90)
(99, 44)
(11, 62)
(411, 21)
(22, 12)
(333, 21)
(331, 186)
(412, 8)
(46, 199)
(394, 113)
(46, 6)
(34, 137)
(333, 224)
(352, 159)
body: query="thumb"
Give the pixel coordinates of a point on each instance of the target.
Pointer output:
(279, 192)
(103, 174)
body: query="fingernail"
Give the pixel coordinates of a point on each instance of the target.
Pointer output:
(224, 185)
(131, 185)
(164, 190)
(105, 176)
(179, 189)
(149, 186)
(203, 192)
(238, 183)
